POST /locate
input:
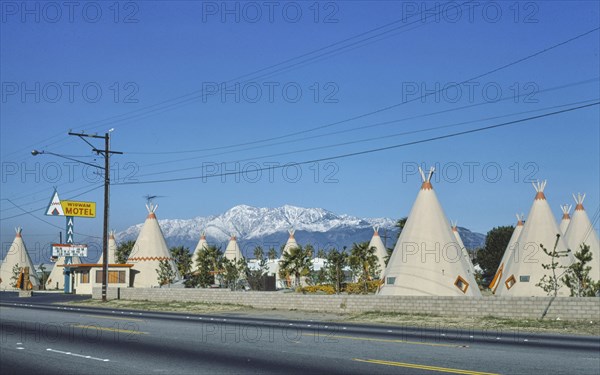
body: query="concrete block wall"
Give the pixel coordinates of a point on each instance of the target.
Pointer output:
(566, 308)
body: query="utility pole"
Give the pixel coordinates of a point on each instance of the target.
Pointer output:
(106, 153)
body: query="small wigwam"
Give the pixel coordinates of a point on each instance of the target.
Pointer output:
(112, 249)
(149, 250)
(17, 255)
(566, 218)
(380, 250)
(581, 231)
(524, 268)
(465, 252)
(233, 252)
(427, 259)
(510, 248)
(291, 242)
(200, 247)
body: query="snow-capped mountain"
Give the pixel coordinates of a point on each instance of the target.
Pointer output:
(268, 227)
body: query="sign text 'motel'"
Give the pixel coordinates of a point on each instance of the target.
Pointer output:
(70, 208)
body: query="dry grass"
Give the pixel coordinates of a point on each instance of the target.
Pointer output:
(487, 323)
(173, 306)
(401, 319)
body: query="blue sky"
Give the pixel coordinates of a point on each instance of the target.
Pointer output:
(131, 67)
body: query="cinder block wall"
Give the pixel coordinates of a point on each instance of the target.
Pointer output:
(565, 308)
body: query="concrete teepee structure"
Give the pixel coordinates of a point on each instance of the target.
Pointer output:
(464, 250)
(524, 267)
(290, 244)
(150, 248)
(232, 252)
(427, 260)
(510, 248)
(17, 256)
(200, 247)
(380, 250)
(566, 218)
(581, 231)
(112, 249)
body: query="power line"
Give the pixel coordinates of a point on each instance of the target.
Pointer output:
(195, 94)
(378, 138)
(377, 124)
(41, 199)
(392, 106)
(555, 88)
(372, 150)
(25, 212)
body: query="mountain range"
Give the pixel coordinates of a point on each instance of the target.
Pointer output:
(268, 227)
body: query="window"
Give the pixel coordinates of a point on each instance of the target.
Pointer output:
(524, 279)
(390, 280)
(85, 277)
(510, 282)
(114, 277)
(461, 284)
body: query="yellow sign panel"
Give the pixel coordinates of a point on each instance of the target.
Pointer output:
(79, 209)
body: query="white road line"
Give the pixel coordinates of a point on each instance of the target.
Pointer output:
(20, 348)
(77, 355)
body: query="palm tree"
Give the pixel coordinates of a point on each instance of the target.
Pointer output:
(297, 262)
(259, 253)
(364, 262)
(336, 261)
(272, 254)
(400, 225)
(183, 259)
(310, 250)
(124, 249)
(321, 254)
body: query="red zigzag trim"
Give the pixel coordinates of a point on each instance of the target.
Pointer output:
(150, 258)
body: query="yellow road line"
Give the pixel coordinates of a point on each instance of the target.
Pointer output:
(422, 367)
(334, 336)
(110, 329)
(113, 317)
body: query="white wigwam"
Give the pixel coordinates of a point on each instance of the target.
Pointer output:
(17, 256)
(566, 218)
(112, 249)
(524, 267)
(380, 250)
(290, 244)
(510, 248)
(200, 247)
(581, 231)
(427, 260)
(149, 250)
(465, 252)
(232, 252)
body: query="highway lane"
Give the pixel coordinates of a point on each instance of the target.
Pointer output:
(78, 340)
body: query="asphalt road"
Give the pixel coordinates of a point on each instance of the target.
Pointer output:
(69, 340)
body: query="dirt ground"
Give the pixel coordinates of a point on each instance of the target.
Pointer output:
(407, 320)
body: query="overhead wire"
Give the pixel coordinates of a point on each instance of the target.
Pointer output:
(197, 93)
(368, 126)
(377, 138)
(451, 135)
